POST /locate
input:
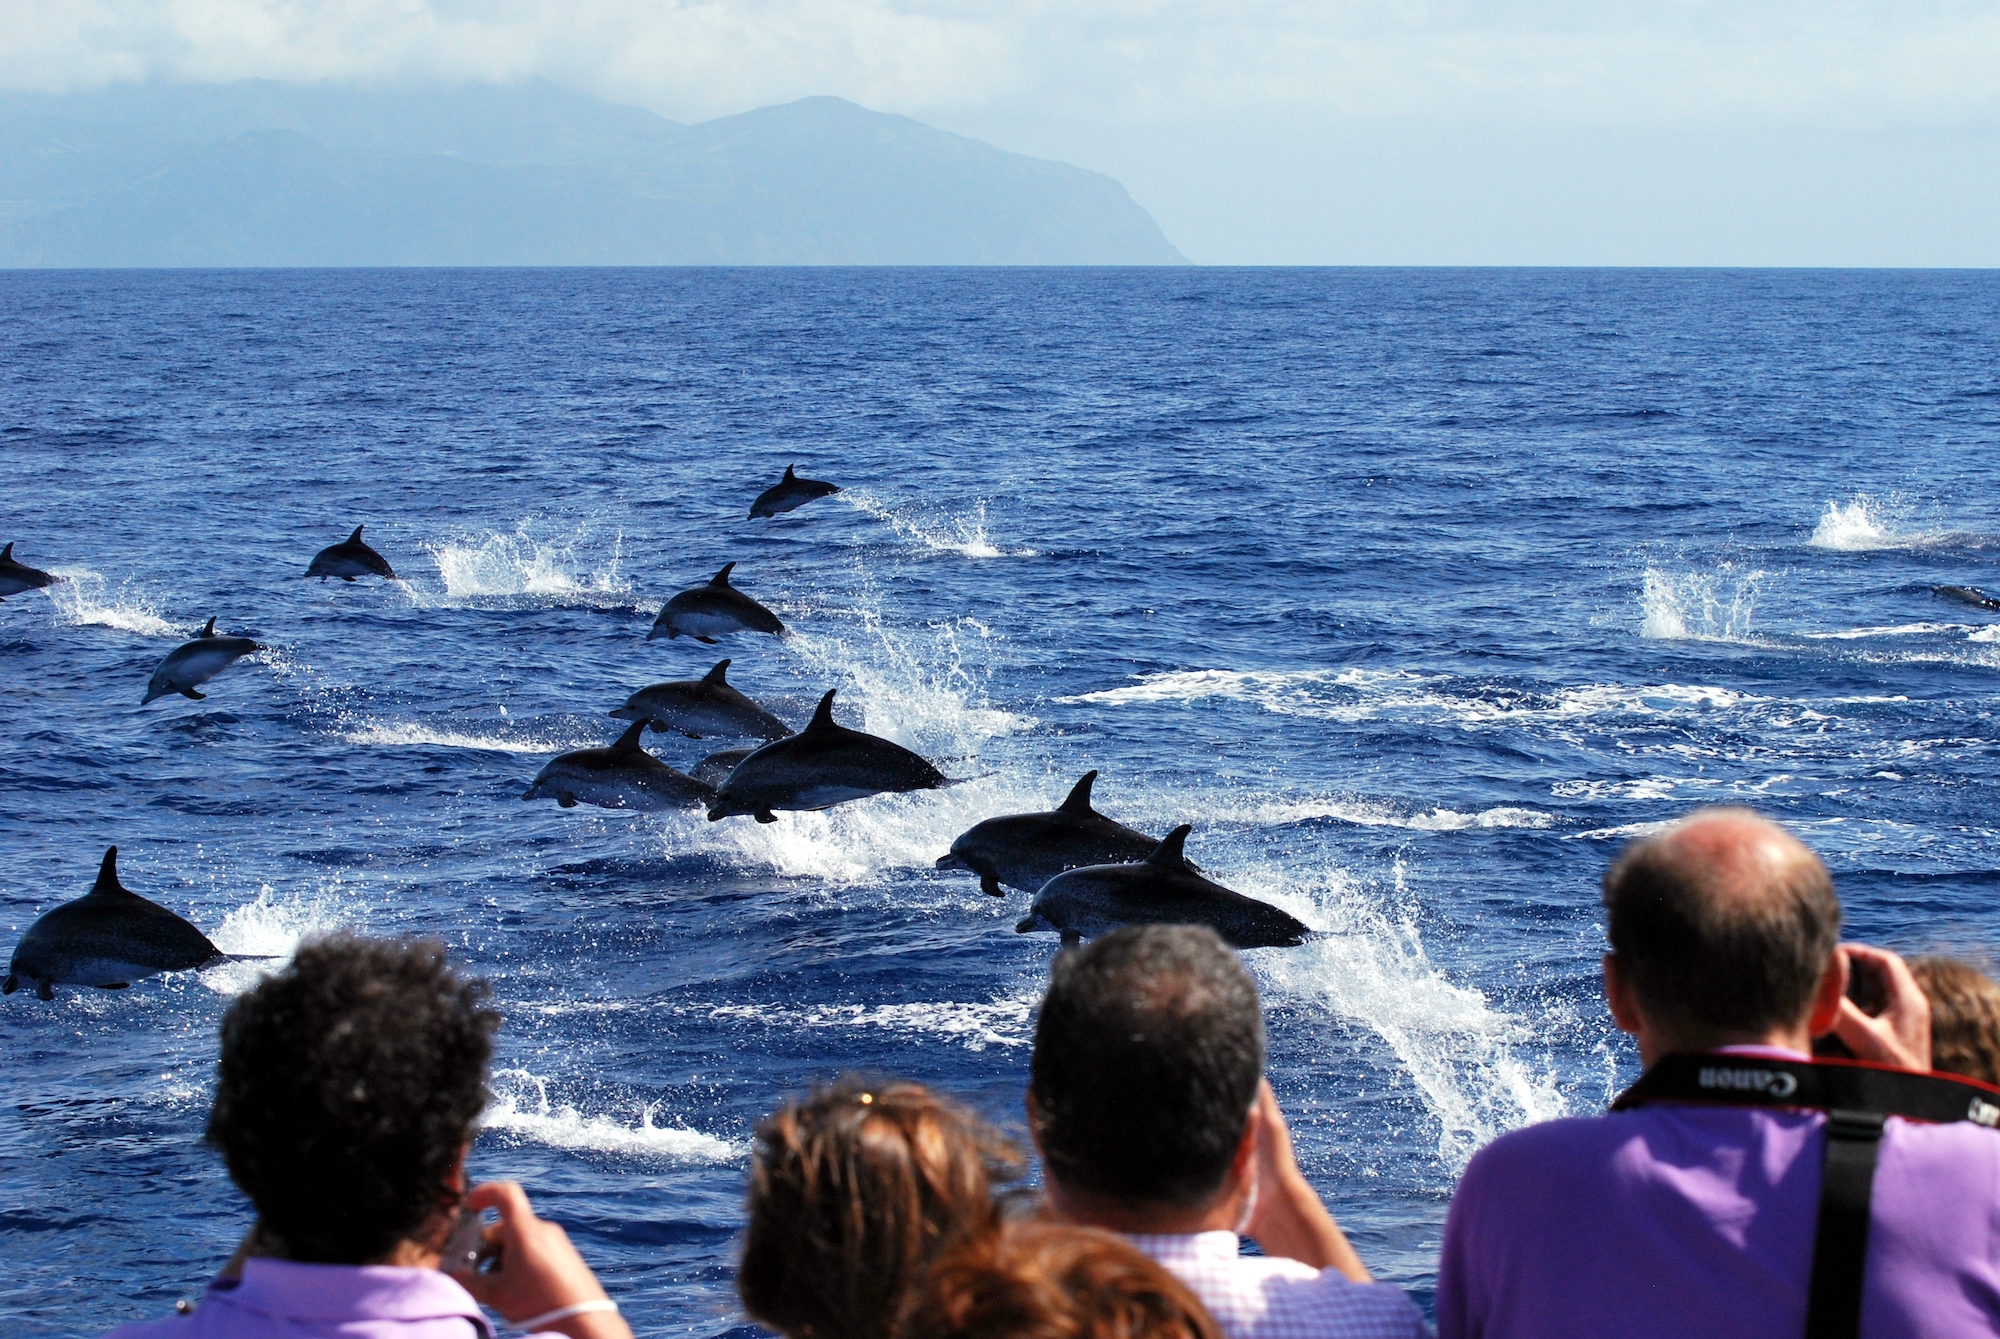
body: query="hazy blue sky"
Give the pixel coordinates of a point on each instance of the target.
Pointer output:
(1754, 132)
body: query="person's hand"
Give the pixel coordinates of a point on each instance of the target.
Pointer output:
(1901, 1034)
(538, 1270)
(1287, 1218)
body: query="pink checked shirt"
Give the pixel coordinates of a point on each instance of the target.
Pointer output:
(1257, 1297)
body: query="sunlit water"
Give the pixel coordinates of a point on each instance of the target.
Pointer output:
(1416, 592)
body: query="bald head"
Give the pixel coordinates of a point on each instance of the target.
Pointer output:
(1724, 924)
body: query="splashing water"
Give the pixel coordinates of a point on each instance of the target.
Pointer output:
(83, 599)
(963, 535)
(1700, 606)
(1866, 523)
(523, 567)
(269, 930)
(521, 1106)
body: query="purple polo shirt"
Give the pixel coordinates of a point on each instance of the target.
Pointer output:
(1674, 1220)
(276, 1299)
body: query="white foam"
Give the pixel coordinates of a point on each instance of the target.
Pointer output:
(272, 929)
(83, 599)
(964, 535)
(1375, 813)
(1986, 634)
(404, 734)
(1002, 1021)
(1866, 523)
(1890, 630)
(527, 567)
(521, 1106)
(1715, 605)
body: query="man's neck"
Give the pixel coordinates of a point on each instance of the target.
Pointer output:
(1653, 1044)
(1143, 1220)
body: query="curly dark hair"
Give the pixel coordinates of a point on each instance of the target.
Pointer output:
(347, 1089)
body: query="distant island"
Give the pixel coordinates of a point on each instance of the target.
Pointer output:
(266, 174)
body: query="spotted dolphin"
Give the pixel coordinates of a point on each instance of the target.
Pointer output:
(789, 494)
(197, 662)
(350, 559)
(1162, 889)
(16, 577)
(699, 708)
(109, 938)
(1025, 851)
(716, 767)
(713, 609)
(823, 765)
(1971, 595)
(621, 775)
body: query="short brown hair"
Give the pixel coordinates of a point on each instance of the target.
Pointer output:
(853, 1192)
(1034, 1280)
(1705, 955)
(1965, 1017)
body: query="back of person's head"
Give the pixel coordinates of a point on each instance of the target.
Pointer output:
(853, 1192)
(1965, 1017)
(1724, 924)
(1033, 1280)
(1147, 1057)
(346, 1094)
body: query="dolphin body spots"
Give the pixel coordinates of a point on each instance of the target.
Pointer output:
(1025, 851)
(16, 577)
(702, 707)
(1162, 889)
(197, 662)
(789, 494)
(821, 766)
(1979, 599)
(716, 767)
(109, 938)
(350, 559)
(713, 610)
(619, 776)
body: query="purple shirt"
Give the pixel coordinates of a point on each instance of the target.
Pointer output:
(1673, 1220)
(276, 1299)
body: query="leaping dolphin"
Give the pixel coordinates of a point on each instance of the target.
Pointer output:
(350, 559)
(789, 494)
(621, 775)
(16, 577)
(713, 610)
(716, 767)
(197, 662)
(1979, 599)
(1162, 889)
(702, 707)
(109, 938)
(1025, 851)
(821, 766)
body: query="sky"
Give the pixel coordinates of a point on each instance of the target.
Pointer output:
(1678, 132)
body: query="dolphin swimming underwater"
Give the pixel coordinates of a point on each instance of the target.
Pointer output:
(620, 775)
(714, 609)
(16, 577)
(789, 494)
(109, 938)
(821, 766)
(197, 662)
(350, 559)
(1025, 851)
(1162, 889)
(1979, 599)
(702, 707)
(716, 767)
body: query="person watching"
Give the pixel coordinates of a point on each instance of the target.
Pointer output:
(1965, 1016)
(346, 1098)
(1148, 1105)
(1712, 1198)
(854, 1191)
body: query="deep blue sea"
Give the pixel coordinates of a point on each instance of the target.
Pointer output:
(1416, 592)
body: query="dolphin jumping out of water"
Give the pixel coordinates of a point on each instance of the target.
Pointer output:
(619, 776)
(1162, 889)
(789, 494)
(350, 559)
(1025, 851)
(197, 662)
(821, 766)
(702, 707)
(1979, 599)
(16, 577)
(716, 767)
(713, 610)
(109, 938)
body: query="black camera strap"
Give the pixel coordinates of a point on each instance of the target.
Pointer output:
(1857, 1097)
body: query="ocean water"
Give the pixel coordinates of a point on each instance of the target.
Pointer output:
(1416, 592)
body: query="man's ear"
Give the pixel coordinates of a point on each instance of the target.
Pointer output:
(1826, 1000)
(1035, 1124)
(1619, 995)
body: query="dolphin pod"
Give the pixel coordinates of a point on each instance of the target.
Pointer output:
(702, 707)
(17, 577)
(350, 559)
(1025, 851)
(714, 609)
(789, 494)
(823, 765)
(1163, 888)
(196, 662)
(621, 775)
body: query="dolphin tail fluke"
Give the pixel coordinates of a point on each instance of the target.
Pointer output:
(191, 693)
(722, 578)
(1168, 852)
(107, 884)
(715, 675)
(208, 628)
(823, 714)
(629, 741)
(1079, 796)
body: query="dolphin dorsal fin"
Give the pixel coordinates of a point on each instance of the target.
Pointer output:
(107, 884)
(7, 554)
(207, 630)
(789, 476)
(823, 716)
(1079, 796)
(355, 538)
(715, 675)
(629, 741)
(1168, 852)
(721, 578)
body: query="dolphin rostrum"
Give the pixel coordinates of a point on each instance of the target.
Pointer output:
(16, 577)
(716, 767)
(713, 610)
(1162, 889)
(350, 559)
(821, 766)
(1971, 595)
(109, 938)
(197, 662)
(702, 707)
(789, 494)
(619, 776)
(1025, 851)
